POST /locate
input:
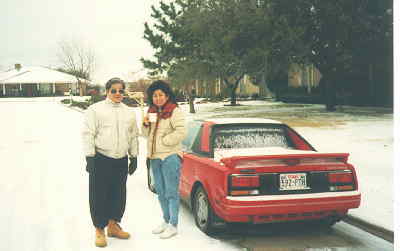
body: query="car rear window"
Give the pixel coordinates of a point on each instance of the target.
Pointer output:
(251, 136)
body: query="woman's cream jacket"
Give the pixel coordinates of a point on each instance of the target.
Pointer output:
(168, 137)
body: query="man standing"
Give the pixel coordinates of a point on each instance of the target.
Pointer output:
(109, 135)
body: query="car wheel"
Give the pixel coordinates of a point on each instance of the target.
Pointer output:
(150, 179)
(203, 213)
(328, 221)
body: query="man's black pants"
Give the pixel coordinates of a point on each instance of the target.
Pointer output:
(107, 189)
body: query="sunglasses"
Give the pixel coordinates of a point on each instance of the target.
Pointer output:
(121, 91)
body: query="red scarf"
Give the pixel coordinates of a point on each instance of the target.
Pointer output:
(166, 110)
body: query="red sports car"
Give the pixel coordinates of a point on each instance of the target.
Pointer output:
(261, 171)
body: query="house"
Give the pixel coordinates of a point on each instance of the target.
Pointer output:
(216, 87)
(306, 76)
(201, 88)
(31, 81)
(139, 86)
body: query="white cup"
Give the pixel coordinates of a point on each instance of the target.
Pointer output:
(152, 117)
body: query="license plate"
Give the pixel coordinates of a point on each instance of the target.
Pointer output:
(292, 181)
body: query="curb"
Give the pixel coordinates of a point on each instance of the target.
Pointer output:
(381, 232)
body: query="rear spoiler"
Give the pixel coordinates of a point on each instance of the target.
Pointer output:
(287, 159)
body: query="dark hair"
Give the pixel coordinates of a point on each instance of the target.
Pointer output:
(164, 87)
(114, 81)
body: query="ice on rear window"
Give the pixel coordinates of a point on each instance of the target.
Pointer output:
(231, 138)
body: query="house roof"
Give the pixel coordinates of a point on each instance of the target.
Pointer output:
(36, 74)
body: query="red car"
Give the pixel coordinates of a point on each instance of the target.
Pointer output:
(261, 171)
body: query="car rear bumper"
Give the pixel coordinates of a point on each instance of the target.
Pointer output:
(271, 208)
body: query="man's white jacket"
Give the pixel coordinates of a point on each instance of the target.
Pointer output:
(110, 129)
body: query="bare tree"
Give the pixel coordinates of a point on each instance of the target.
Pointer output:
(76, 59)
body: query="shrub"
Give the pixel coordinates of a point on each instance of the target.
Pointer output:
(66, 101)
(96, 98)
(82, 105)
(130, 102)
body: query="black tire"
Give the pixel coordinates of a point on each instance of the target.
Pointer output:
(203, 213)
(328, 222)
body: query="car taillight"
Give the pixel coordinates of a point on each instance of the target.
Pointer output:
(341, 181)
(346, 177)
(244, 185)
(245, 181)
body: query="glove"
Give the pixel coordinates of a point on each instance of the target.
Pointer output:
(89, 164)
(148, 163)
(132, 165)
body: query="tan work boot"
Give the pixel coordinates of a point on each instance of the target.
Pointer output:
(114, 230)
(100, 238)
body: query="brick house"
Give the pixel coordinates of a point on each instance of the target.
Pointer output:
(306, 76)
(215, 87)
(140, 85)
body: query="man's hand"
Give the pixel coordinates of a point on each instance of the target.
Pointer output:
(132, 165)
(89, 164)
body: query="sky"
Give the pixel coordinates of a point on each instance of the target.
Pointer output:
(32, 30)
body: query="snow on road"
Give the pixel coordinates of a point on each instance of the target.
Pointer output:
(44, 188)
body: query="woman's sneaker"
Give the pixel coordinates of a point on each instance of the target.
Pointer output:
(160, 228)
(169, 232)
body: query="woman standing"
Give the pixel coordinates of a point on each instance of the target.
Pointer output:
(164, 125)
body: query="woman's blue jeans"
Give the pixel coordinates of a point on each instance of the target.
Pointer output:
(166, 175)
